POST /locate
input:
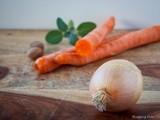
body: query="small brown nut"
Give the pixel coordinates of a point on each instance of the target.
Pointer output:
(37, 44)
(34, 53)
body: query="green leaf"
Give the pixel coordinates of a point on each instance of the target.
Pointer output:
(85, 27)
(61, 25)
(54, 37)
(73, 38)
(67, 34)
(71, 25)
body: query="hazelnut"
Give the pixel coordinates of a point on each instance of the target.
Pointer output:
(34, 53)
(38, 44)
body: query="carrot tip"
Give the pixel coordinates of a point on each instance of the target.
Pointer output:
(83, 47)
(36, 67)
(39, 65)
(44, 65)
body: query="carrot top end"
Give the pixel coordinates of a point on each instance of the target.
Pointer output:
(36, 68)
(83, 47)
(40, 65)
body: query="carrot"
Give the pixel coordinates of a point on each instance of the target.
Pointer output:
(136, 39)
(48, 63)
(89, 43)
(113, 37)
(128, 41)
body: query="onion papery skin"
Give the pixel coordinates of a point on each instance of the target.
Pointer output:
(116, 85)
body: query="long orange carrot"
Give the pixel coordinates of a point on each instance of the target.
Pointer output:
(89, 43)
(128, 41)
(47, 63)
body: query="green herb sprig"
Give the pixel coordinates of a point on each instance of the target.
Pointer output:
(69, 31)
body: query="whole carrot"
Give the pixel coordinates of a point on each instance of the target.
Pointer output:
(128, 41)
(86, 45)
(48, 63)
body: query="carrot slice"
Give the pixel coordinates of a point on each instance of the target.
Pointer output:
(86, 45)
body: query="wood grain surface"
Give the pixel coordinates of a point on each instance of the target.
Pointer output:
(22, 107)
(26, 95)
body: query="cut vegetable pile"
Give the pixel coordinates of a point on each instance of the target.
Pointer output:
(96, 45)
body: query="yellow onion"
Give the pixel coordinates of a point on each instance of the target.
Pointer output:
(116, 86)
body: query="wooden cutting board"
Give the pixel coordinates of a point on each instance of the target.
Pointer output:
(63, 93)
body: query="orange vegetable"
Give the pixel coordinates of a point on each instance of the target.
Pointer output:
(47, 63)
(86, 45)
(113, 37)
(110, 46)
(128, 41)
